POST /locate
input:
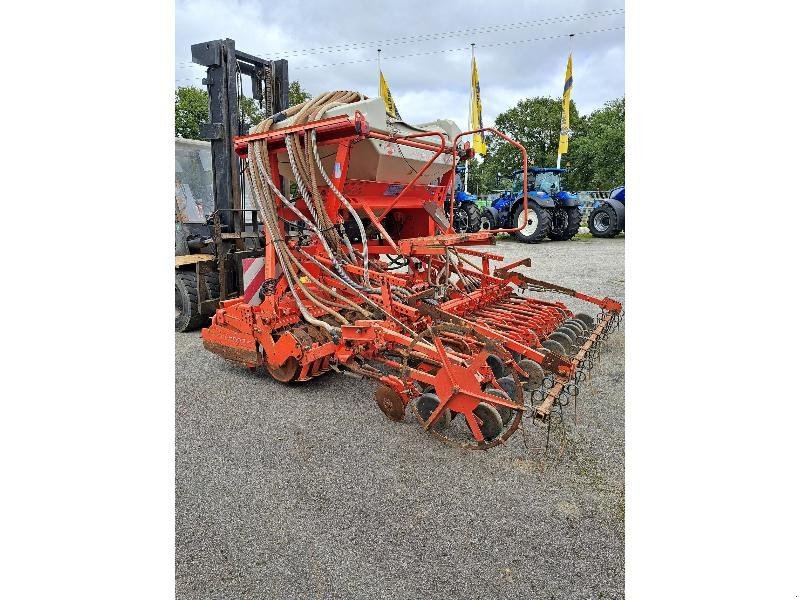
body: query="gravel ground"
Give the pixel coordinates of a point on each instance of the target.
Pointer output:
(308, 491)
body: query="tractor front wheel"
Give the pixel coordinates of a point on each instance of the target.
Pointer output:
(466, 218)
(537, 225)
(460, 219)
(473, 216)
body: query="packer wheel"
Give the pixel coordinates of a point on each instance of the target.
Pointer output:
(496, 365)
(569, 332)
(504, 412)
(287, 372)
(563, 339)
(579, 324)
(490, 422)
(535, 373)
(426, 404)
(554, 346)
(586, 319)
(577, 330)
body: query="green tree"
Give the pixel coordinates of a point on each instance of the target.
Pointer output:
(252, 114)
(536, 124)
(191, 110)
(596, 156)
(297, 94)
(597, 151)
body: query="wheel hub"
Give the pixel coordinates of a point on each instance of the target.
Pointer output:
(456, 393)
(532, 223)
(602, 221)
(460, 220)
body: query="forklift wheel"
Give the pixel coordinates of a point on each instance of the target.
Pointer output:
(187, 316)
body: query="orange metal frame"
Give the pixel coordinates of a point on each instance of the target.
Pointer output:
(273, 333)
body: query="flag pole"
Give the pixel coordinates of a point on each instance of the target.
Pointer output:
(469, 114)
(379, 64)
(558, 159)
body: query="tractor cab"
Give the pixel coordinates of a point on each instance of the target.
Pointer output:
(458, 182)
(540, 179)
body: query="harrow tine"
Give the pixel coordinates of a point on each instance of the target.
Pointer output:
(573, 389)
(547, 440)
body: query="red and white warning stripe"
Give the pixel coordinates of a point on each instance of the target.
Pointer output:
(253, 276)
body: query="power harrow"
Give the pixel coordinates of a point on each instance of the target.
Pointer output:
(364, 273)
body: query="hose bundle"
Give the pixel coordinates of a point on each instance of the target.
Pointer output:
(305, 163)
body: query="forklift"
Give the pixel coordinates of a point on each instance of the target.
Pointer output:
(216, 229)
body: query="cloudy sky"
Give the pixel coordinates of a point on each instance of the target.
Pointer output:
(521, 48)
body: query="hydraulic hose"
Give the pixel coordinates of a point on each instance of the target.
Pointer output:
(305, 163)
(347, 205)
(341, 274)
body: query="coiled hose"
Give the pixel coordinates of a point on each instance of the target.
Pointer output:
(305, 163)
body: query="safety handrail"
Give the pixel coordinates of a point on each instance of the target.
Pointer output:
(524, 177)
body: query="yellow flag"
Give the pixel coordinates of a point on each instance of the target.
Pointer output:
(476, 118)
(563, 141)
(391, 107)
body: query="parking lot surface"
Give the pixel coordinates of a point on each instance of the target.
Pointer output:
(309, 491)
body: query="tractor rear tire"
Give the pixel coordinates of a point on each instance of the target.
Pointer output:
(538, 223)
(187, 315)
(460, 218)
(566, 222)
(487, 221)
(473, 216)
(603, 222)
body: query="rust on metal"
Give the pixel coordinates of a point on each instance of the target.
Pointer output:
(250, 358)
(390, 402)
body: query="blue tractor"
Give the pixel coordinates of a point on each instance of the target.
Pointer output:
(607, 218)
(466, 214)
(552, 211)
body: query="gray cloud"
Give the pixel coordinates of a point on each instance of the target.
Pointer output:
(435, 82)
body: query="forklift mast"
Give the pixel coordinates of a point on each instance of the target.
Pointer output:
(270, 85)
(269, 79)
